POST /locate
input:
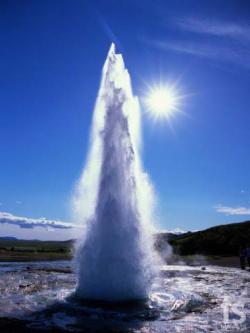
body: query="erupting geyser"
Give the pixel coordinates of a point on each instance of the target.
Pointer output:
(114, 198)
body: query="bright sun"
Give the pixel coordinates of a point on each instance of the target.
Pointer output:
(162, 101)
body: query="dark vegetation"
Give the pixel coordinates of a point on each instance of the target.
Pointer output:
(223, 240)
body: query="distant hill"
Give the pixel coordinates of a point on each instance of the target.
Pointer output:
(219, 240)
(8, 238)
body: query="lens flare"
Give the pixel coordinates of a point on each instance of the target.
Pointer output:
(163, 101)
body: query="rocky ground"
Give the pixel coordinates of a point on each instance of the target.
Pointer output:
(37, 297)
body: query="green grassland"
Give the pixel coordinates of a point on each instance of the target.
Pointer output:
(33, 250)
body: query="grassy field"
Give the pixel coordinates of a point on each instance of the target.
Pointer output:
(34, 250)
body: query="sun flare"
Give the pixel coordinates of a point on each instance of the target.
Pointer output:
(162, 101)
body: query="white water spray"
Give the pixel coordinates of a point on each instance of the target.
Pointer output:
(114, 198)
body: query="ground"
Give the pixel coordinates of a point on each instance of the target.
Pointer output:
(37, 296)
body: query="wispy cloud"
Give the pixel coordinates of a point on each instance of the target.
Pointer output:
(29, 223)
(206, 50)
(209, 39)
(213, 27)
(232, 210)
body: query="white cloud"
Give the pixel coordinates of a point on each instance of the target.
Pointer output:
(29, 223)
(232, 210)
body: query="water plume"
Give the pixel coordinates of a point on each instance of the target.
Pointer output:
(114, 198)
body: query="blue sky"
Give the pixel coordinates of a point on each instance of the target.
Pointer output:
(51, 58)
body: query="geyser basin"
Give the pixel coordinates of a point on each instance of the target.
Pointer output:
(183, 299)
(114, 197)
